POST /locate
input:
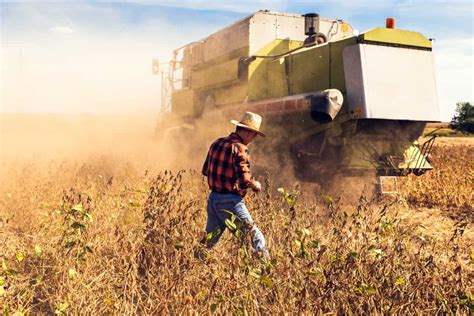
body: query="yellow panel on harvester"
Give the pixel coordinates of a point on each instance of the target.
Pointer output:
(261, 78)
(394, 36)
(276, 73)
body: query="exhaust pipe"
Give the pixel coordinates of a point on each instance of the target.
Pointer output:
(325, 106)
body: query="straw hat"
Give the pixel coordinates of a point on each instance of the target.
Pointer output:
(250, 121)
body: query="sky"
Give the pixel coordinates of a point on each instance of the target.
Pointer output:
(95, 57)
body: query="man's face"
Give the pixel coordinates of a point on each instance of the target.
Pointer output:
(253, 135)
(248, 136)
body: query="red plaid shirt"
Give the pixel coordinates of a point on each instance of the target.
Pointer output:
(227, 166)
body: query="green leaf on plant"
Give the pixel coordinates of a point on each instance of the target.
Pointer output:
(134, 203)
(69, 244)
(77, 208)
(178, 245)
(266, 280)
(399, 281)
(231, 225)
(20, 256)
(371, 290)
(314, 271)
(109, 301)
(255, 274)
(61, 308)
(89, 217)
(306, 232)
(376, 253)
(298, 243)
(330, 200)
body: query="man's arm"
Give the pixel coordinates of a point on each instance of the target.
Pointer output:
(205, 167)
(242, 168)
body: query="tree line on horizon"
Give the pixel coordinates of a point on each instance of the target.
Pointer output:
(463, 119)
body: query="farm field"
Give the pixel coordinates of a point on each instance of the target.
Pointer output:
(92, 223)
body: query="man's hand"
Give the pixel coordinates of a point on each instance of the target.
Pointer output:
(256, 186)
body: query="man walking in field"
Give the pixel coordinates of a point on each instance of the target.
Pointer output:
(227, 169)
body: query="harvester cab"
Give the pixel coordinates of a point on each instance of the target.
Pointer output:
(333, 99)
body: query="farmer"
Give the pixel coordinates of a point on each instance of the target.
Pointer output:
(227, 169)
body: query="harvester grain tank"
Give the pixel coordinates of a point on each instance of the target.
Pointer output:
(332, 99)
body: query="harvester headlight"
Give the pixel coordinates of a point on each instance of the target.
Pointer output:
(311, 23)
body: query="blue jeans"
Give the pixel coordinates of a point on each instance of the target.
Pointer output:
(217, 205)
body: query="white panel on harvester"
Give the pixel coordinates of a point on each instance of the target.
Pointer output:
(385, 82)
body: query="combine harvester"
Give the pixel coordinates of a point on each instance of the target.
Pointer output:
(335, 102)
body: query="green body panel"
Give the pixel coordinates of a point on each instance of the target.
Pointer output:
(336, 74)
(216, 74)
(218, 78)
(231, 94)
(309, 70)
(318, 68)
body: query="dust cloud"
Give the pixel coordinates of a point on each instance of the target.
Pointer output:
(77, 84)
(42, 139)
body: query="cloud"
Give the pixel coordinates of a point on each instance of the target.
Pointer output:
(61, 29)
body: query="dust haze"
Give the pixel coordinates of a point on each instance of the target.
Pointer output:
(44, 139)
(77, 84)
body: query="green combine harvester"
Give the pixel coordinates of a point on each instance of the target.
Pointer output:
(334, 101)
